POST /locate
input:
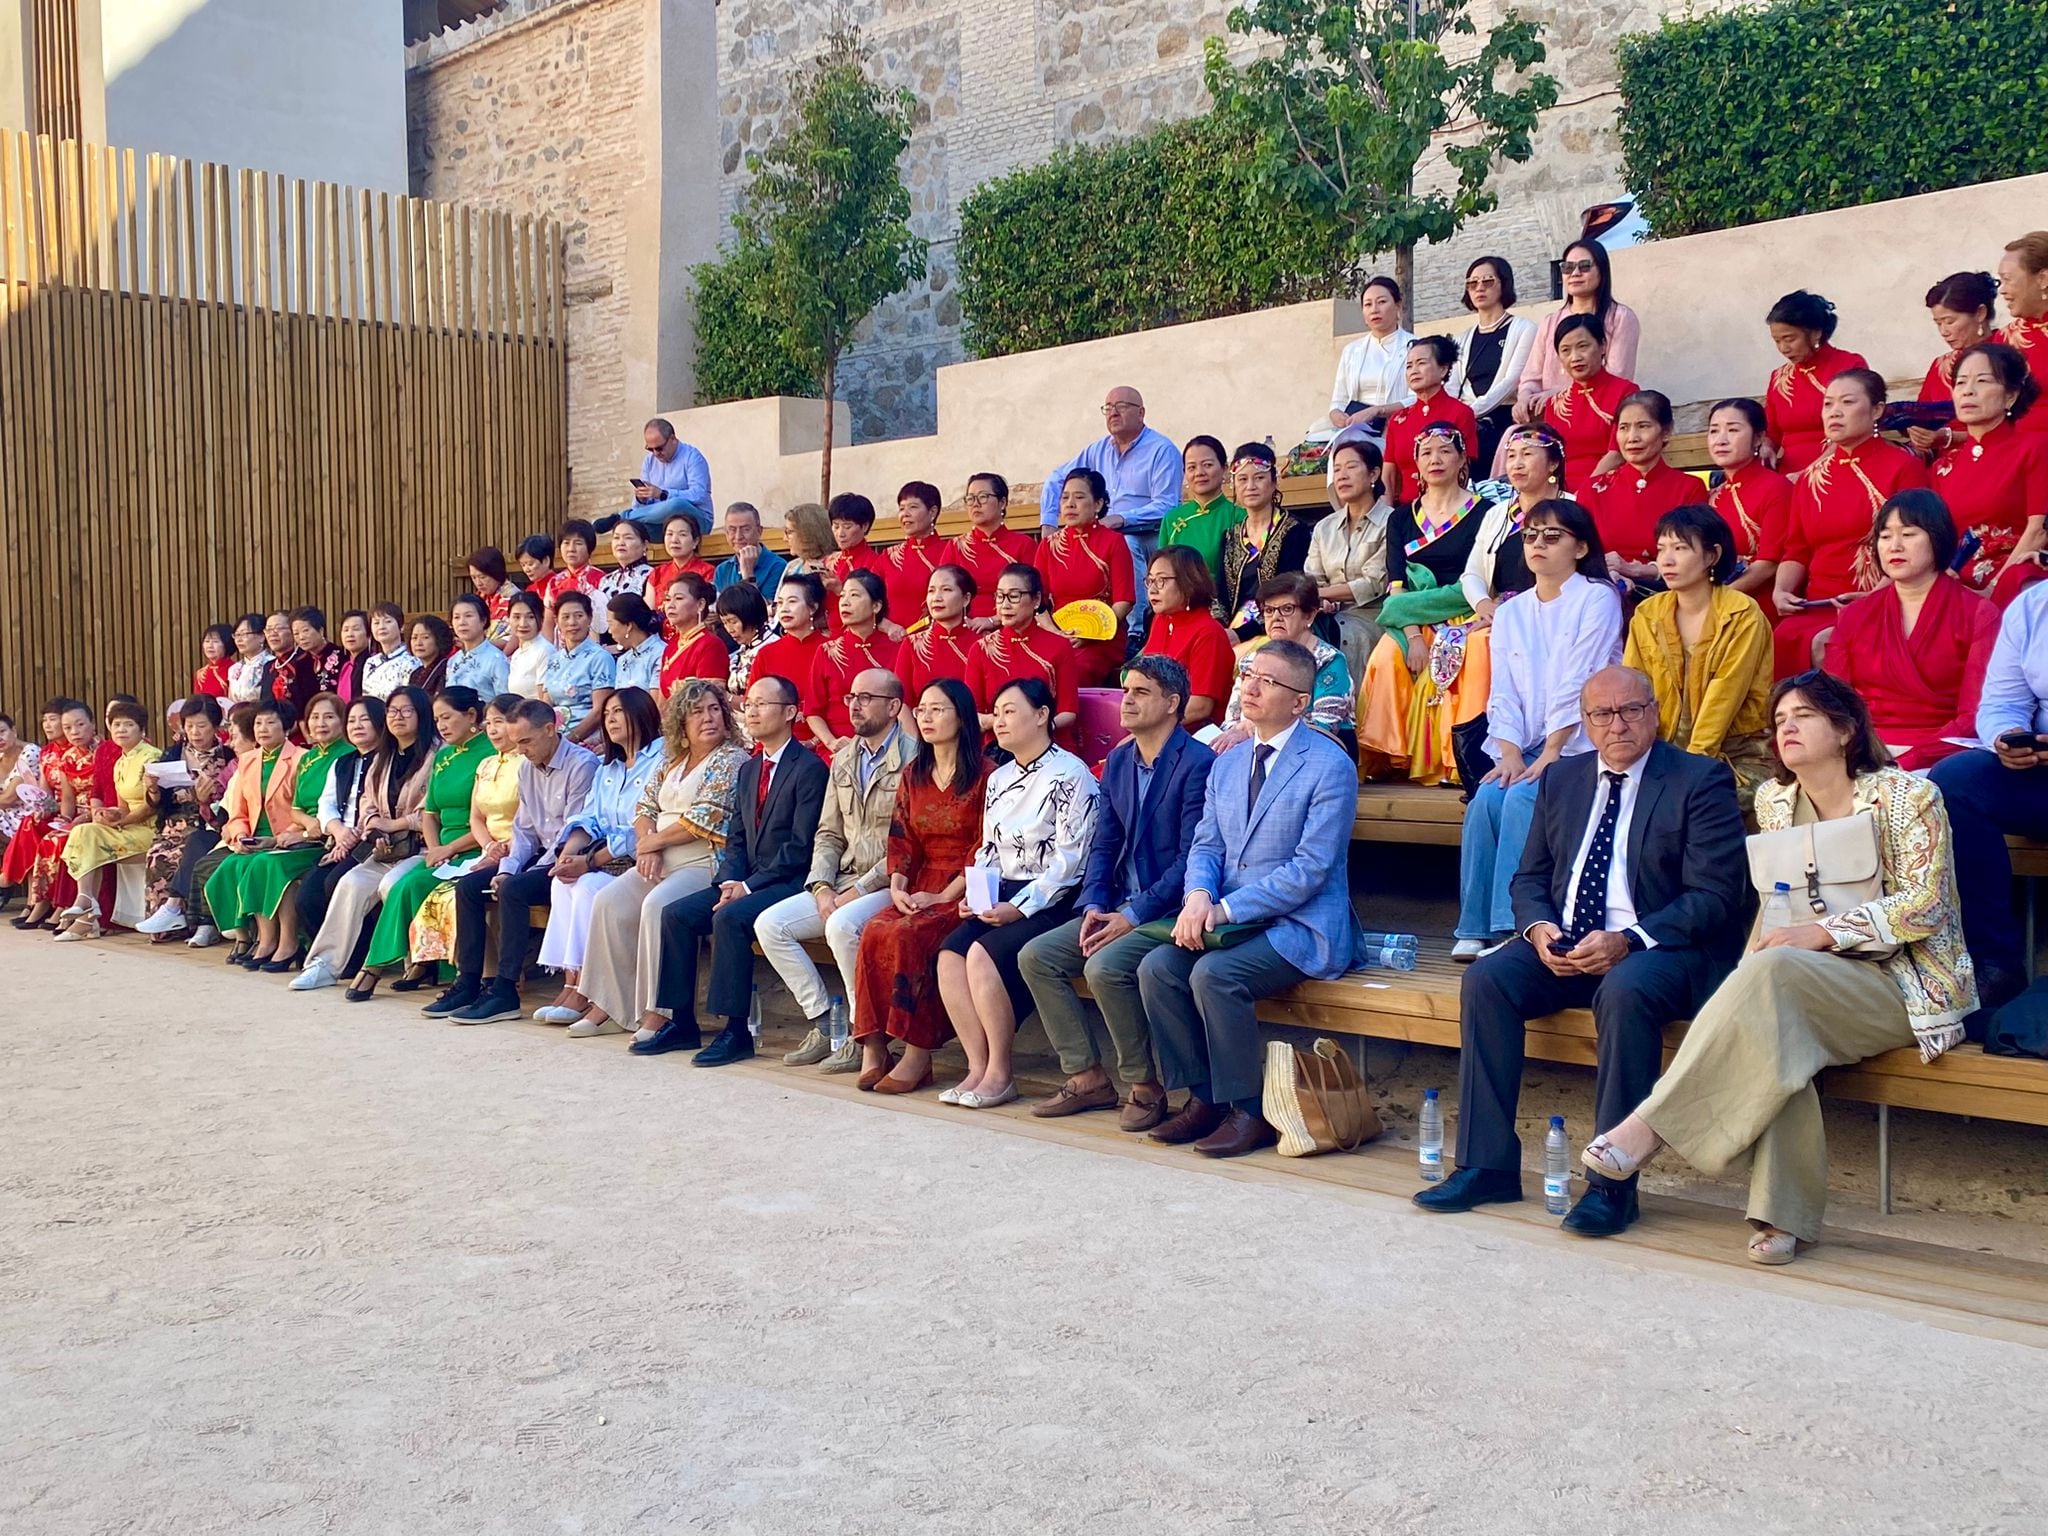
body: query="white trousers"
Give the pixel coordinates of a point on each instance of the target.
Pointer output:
(786, 927)
(357, 896)
(570, 905)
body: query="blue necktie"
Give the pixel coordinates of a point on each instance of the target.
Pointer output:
(1589, 906)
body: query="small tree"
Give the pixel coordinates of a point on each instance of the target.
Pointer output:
(830, 207)
(1350, 96)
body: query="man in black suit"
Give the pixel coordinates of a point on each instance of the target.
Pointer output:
(1630, 899)
(767, 857)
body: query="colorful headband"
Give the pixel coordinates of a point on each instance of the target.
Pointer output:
(1443, 429)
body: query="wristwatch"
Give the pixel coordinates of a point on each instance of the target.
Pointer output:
(1634, 941)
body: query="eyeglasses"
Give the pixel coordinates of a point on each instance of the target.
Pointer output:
(1261, 680)
(982, 499)
(1545, 536)
(1159, 579)
(1279, 611)
(863, 700)
(1012, 595)
(1576, 268)
(1629, 713)
(932, 711)
(1116, 406)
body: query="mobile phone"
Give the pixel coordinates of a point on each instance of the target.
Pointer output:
(637, 483)
(1560, 947)
(2020, 741)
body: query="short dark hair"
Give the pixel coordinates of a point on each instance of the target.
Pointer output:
(660, 424)
(536, 712)
(1655, 402)
(243, 717)
(1204, 440)
(685, 516)
(1098, 488)
(1804, 311)
(2011, 371)
(960, 574)
(1966, 293)
(795, 697)
(471, 600)
(444, 637)
(1845, 710)
(873, 585)
(627, 525)
(1368, 453)
(1381, 280)
(1037, 693)
(225, 634)
(490, 560)
(1501, 270)
(923, 491)
(851, 507)
(390, 611)
(697, 586)
(461, 698)
(1704, 529)
(573, 598)
(1190, 574)
(527, 600)
(743, 601)
(311, 617)
(1442, 348)
(506, 704)
(1575, 520)
(1923, 510)
(537, 546)
(1169, 674)
(253, 622)
(1571, 324)
(200, 704)
(1297, 658)
(576, 528)
(993, 481)
(631, 608)
(1028, 573)
(1298, 585)
(128, 709)
(1869, 380)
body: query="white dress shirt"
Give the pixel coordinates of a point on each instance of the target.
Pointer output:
(1373, 371)
(1621, 902)
(1276, 741)
(1542, 655)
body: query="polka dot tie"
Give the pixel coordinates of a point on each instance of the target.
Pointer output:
(1589, 904)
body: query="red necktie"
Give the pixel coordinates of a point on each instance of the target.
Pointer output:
(761, 791)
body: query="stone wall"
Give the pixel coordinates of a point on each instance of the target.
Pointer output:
(535, 113)
(1003, 83)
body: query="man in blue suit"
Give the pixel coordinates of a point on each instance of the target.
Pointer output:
(1145, 819)
(1267, 906)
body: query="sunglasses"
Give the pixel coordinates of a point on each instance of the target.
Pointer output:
(1545, 536)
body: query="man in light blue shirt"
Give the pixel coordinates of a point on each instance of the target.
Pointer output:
(1999, 789)
(673, 475)
(1142, 469)
(750, 560)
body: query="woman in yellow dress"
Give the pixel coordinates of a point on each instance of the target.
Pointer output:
(121, 825)
(493, 802)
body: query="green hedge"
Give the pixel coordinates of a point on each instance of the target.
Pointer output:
(1124, 237)
(1817, 104)
(740, 351)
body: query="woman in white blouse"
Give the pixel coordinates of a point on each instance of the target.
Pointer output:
(1495, 352)
(1546, 643)
(1372, 372)
(531, 650)
(1495, 570)
(1037, 823)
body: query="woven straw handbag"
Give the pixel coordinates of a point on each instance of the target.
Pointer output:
(1316, 1100)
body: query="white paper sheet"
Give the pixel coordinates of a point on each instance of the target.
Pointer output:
(984, 888)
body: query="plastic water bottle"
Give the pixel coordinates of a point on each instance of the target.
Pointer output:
(1778, 908)
(838, 1023)
(1557, 1169)
(754, 1020)
(1432, 1137)
(1392, 951)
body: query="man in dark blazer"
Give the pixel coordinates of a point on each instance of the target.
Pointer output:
(1145, 818)
(767, 856)
(1631, 898)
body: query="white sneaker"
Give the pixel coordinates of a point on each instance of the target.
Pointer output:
(583, 1029)
(168, 918)
(554, 1015)
(205, 936)
(1468, 949)
(845, 1059)
(317, 974)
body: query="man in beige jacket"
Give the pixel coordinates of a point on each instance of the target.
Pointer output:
(849, 880)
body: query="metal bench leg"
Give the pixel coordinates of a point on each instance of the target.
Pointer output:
(1884, 1158)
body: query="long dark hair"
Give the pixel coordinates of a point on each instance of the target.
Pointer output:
(1604, 294)
(924, 767)
(400, 763)
(1845, 710)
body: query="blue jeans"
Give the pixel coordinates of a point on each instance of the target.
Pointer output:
(651, 517)
(1497, 824)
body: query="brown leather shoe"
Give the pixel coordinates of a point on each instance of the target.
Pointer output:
(1141, 1114)
(1072, 1101)
(874, 1075)
(1240, 1132)
(887, 1084)
(1194, 1121)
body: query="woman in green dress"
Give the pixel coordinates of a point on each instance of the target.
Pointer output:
(459, 717)
(250, 889)
(1200, 522)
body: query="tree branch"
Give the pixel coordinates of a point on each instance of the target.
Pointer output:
(1301, 145)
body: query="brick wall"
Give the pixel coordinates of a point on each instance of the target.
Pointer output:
(537, 111)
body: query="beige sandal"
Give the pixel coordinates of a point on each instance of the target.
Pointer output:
(1604, 1157)
(1773, 1247)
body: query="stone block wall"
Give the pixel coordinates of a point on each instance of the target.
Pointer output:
(538, 111)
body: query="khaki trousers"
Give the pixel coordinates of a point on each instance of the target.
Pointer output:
(622, 949)
(1741, 1086)
(357, 896)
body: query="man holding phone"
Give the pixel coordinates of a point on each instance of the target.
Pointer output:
(1631, 900)
(2000, 789)
(673, 476)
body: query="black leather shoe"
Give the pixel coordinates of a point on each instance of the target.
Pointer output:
(1472, 1186)
(675, 1035)
(606, 523)
(1604, 1210)
(734, 1044)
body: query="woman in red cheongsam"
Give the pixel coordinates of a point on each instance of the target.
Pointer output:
(1801, 325)
(1081, 559)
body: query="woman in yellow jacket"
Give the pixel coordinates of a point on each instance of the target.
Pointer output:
(1706, 648)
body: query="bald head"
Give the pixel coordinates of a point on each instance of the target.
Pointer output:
(1123, 412)
(1619, 706)
(874, 701)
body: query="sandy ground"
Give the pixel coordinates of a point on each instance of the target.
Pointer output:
(279, 1264)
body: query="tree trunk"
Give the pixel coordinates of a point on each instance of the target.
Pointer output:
(1404, 274)
(825, 458)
